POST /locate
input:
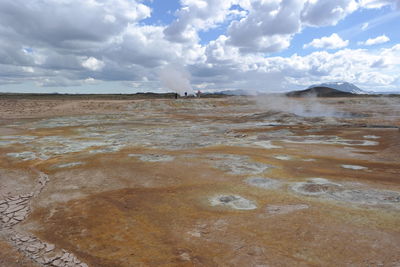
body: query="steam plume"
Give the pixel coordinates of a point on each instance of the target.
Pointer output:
(304, 107)
(176, 78)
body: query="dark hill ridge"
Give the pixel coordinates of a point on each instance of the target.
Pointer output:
(320, 91)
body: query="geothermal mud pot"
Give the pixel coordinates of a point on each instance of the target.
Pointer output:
(200, 182)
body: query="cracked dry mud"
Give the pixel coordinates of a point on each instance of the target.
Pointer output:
(198, 182)
(15, 209)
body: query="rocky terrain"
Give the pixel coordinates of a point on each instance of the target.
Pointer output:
(236, 181)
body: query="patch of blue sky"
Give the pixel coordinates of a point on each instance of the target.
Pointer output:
(163, 12)
(212, 34)
(370, 23)
(28, 50)
(382, 21)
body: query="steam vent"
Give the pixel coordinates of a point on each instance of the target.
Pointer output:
(227, 181)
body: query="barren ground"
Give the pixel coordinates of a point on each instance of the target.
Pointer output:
(200, 182)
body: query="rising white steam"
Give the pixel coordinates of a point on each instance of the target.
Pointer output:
(305, 106)
(176, 79)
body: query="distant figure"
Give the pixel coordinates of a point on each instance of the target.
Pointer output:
(185, 94)
(198, 93)
(176, 95)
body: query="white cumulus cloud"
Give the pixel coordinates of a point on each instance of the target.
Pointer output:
(327, 12)
(268, 27)
(93, 64)
(378, 3)
(328, 42)
(377, 40)
(195, 15)
(63, 42)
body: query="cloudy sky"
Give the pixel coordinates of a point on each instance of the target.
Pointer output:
(122, 46)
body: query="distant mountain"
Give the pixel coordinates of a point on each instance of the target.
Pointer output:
(333, 89)
(386, 93)
(341, 86)
(320, 91)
